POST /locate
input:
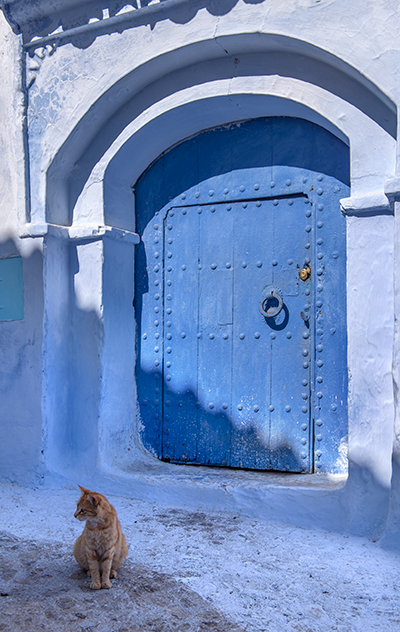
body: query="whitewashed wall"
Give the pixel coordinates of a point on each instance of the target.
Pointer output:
(71, 401)
(20, 342)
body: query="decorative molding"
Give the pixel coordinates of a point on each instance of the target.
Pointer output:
(57, 22)
(43, 17)
(374, 203)
(78, 233)
(34, 63)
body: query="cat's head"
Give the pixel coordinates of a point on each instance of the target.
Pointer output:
(89, 504)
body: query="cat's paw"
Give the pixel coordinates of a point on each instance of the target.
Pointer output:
(113, 574)
(95, 585)
(106, 584)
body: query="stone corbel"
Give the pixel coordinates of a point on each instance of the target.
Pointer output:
(374, 203)
(392, 188)
(78, 233)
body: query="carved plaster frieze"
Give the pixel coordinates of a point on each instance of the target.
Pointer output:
(34, 62)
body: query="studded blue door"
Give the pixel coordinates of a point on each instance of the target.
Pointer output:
(237, 380)
(241, 319)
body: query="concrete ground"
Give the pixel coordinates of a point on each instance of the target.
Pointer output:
(189, 571)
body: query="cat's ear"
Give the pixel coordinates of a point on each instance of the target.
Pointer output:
(93, 500)
(84, 490)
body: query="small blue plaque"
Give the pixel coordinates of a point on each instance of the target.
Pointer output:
(11, 289)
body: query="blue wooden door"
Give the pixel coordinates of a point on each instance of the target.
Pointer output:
(237, 381)
(240, 300)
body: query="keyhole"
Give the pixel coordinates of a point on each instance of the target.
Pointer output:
(305, 273)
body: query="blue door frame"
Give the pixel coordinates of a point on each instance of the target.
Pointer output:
(223, 379)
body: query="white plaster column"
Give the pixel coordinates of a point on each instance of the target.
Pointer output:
(391, 537)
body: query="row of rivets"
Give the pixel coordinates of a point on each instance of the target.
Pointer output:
(228, 265)
(240, 407)
(256, 187)
(320, 331)
(271, 409)
(305, 334)
(258, 203)
(228, 207)
(225, 336)
(225, 406)
(305, 352)
(156, 269)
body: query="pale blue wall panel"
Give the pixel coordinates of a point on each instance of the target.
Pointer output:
(11, 289)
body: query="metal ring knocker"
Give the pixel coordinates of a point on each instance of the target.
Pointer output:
(272, 310)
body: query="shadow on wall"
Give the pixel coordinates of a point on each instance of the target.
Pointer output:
(76, 341)
(86, 332)
(50, 385)
(80, 354)
(89, 353)
(181, 429)
(105, 14)
(21, 372)
(193, 435)
(274, 55)
(391, 536)
(257, 143)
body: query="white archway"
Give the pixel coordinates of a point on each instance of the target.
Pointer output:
(161, 114)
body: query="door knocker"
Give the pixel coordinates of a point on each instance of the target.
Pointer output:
(272, 302)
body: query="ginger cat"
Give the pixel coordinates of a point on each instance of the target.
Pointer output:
(102, 547)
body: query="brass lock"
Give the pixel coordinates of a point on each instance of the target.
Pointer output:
(305, 273)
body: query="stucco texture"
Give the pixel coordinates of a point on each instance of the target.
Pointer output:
(82, 121)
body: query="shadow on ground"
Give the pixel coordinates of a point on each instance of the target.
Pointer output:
(42, 589)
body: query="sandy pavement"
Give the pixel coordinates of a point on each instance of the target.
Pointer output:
(189, 572)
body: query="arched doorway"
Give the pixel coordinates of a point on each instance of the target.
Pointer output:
(240, 298)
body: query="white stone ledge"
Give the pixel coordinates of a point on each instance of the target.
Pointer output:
(41, 229)
(392, 188)
(376, 202)
(78, 233)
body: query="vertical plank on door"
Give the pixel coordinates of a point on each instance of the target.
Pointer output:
(180, 423)
(251, 366)
(215, 333)
(290, 357)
